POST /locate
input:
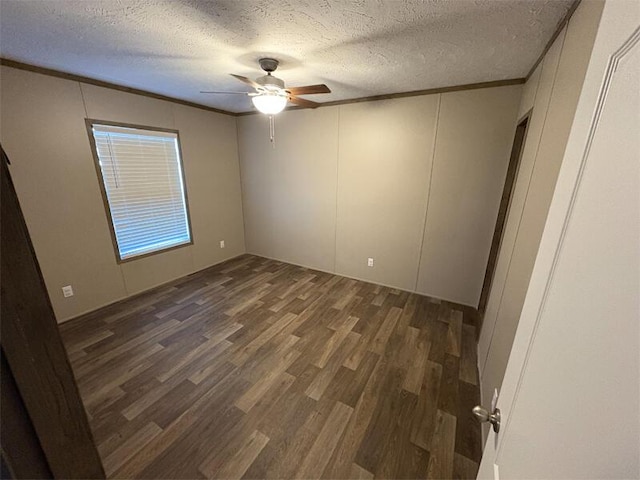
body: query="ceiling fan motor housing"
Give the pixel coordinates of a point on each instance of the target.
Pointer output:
(270, 82)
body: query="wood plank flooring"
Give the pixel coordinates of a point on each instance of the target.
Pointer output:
(260, 369)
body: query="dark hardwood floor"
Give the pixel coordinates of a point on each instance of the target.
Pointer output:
(260, 369)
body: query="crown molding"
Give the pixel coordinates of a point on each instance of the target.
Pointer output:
(563, 23)
(99, 83)
(414, 93)
(79, 78)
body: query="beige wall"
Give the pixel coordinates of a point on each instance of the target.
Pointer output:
(475, 134)
(384, 167)
(557, 83)
(350, 182)
(44, 134)
(289, 201)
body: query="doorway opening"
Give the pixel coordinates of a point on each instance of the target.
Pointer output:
(503, 211)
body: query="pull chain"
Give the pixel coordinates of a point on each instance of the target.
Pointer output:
(272, 131)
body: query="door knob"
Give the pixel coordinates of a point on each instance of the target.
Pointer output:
(484, 416)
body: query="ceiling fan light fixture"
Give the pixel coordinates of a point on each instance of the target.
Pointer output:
(269, 103)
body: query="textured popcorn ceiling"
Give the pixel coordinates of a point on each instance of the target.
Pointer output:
(358, 48)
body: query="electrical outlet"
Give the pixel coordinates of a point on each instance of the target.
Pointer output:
(221, 243)
(67, 291)
(369, 262)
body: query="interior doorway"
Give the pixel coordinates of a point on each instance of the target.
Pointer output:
(510, 180)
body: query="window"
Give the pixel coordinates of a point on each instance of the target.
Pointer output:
(141, 176)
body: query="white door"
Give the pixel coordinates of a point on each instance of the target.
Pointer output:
(570, 400)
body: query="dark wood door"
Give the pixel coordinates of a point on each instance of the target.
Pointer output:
(510, 180)
(22, 455)
(37, 361)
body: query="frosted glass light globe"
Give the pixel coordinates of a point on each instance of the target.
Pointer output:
(269, 103)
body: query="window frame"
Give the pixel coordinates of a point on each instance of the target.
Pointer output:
(90, 122)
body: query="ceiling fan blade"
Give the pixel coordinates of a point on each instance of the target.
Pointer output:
(235, 93)
(248, 81)
(309, 89)
(302, 102)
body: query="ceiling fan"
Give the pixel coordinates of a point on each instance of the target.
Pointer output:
(270, 95)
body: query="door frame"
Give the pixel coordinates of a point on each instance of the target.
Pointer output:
(517, 148)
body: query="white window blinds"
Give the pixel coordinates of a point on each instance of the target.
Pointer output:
(142, 176)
